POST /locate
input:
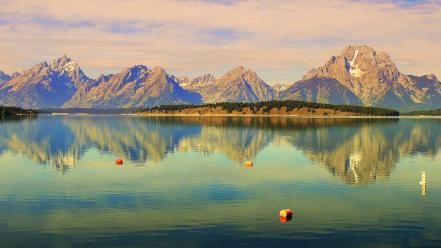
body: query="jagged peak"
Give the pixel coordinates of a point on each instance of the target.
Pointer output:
(238, 68)
(65, 63)
(62, 60)
(159, 72)
(353, 51)
(364, 47)
(138, 71)
(431, 76)
(131, 73)
(138, 68)
(37, 68)
(204, 78)
(240, 71)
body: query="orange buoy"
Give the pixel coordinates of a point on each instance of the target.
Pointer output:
(283, 220)
(285, 213)
(119, 161)
(249, 164)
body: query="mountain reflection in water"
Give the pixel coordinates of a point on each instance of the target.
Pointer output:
(357, 150)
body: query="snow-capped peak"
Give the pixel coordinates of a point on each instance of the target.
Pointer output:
(64, 64)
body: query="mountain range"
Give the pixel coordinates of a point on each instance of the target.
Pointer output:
(358, 76)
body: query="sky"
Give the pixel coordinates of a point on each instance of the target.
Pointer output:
(279, 39)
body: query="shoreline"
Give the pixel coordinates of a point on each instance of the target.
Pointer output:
(287, 116)
(241, 115)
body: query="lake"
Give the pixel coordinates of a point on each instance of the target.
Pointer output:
(350, 182)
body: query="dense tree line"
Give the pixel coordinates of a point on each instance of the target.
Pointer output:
(435, 112)
(11, 111)
(268, 105)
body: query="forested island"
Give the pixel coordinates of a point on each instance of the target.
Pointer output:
(270, 108)
(14, 111)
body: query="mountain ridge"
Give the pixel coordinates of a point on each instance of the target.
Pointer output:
(237, 85)
(359, 75)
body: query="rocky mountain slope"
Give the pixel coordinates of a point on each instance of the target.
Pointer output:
(322, 90)
(63, 84)
(238, 85)
(4, 77)
(197, 83)
(371, 76)
(44, 85)
(137, 86)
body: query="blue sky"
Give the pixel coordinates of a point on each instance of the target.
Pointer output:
(280, 39)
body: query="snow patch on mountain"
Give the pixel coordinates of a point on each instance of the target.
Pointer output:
(70, 66)
(354, 70)
(281, 87)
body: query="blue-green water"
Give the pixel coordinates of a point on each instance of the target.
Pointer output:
(350, 182)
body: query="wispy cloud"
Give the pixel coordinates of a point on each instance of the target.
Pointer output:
(221, 35)
(131, 27)
(54, 23)
(280, 38)
(221, 1)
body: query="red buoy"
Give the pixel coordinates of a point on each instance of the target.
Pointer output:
(285, 215)
(119, 161)
(283, 220)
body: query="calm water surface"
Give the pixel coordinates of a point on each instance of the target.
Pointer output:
(351, 182)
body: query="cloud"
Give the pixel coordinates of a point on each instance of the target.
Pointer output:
(281, 39)
(53, 23)
(131, 27)
(227, 2)
(3, 21)
(221, 35)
